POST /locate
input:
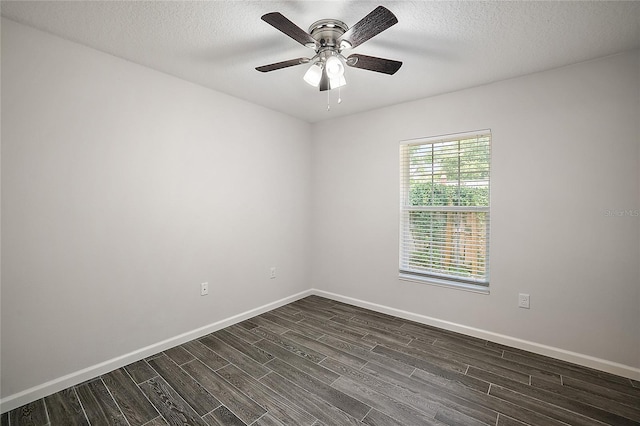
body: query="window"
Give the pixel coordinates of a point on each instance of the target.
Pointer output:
(444, 203)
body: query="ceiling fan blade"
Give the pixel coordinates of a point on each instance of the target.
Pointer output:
(373, 63)
(281, 23)
(324, 81)
(283, 64)
(371, 25)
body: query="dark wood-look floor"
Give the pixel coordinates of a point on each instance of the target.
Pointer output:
(320, 362)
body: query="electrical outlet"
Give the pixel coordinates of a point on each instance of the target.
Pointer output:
(204, 289)
(523, 300)
(273, 273)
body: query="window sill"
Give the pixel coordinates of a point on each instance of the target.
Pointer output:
(444, 283)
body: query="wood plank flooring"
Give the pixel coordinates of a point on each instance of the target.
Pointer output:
(320, 362)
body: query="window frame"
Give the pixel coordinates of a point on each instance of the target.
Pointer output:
(432, 277)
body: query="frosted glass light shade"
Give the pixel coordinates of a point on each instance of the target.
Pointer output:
(336, 82)
(313, 75)
(335, 67)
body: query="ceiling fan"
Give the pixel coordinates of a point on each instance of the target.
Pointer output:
(329, 37)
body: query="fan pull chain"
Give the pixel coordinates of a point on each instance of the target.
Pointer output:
(329, 98)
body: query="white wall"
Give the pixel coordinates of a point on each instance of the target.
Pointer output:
(122, 190)
(565, 150)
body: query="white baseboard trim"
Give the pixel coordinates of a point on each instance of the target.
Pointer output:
(40, 391)
(562, 354)
(17, 400)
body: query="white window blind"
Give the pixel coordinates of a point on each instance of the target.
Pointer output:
(444, 218)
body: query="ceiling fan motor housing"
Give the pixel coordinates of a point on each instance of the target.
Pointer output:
(327, 32)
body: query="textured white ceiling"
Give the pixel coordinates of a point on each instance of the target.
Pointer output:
(445, 46)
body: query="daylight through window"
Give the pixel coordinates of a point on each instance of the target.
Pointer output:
(444, 218)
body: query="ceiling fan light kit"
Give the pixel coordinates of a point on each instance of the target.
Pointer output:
(329, 37)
